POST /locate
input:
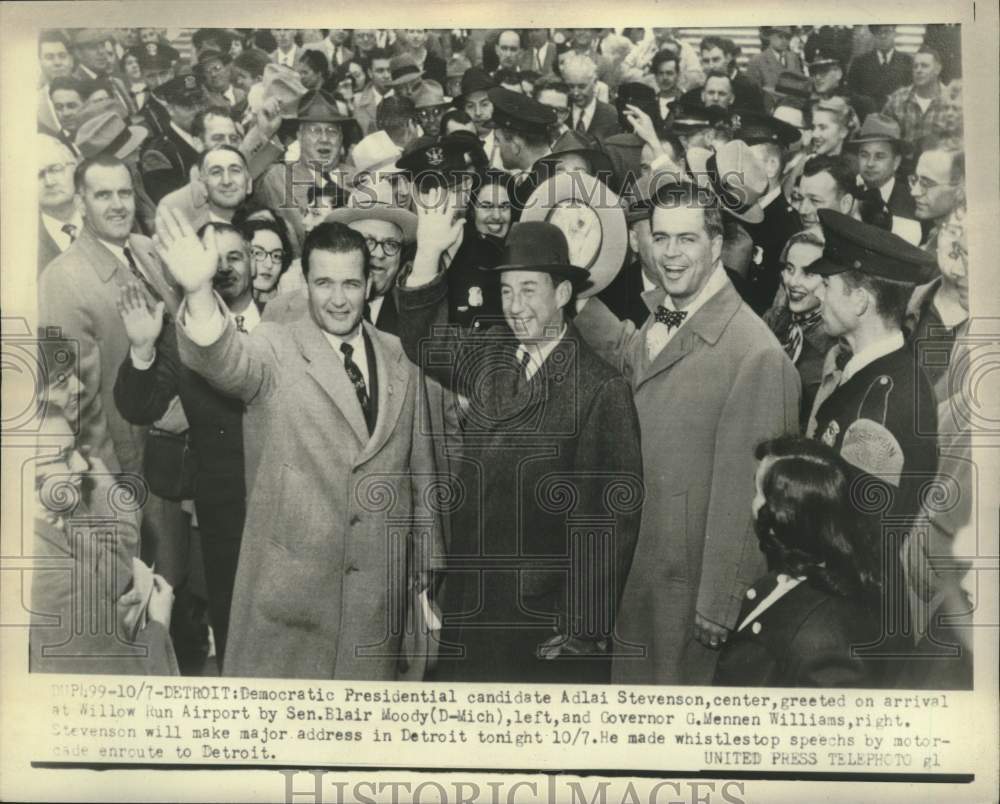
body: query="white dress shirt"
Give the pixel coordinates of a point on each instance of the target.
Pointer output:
(871, 353)
(251, 318)
(659, 335)
(538, 57)
(885, 58)
(54, 227)
(587, 112)
(375, 307)
(359, 356)
(289, 58)
(537, 353)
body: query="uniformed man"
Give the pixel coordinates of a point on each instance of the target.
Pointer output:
(157, 70)
(455, 162)
(769, 140)
(699, 126)
(522, 129)
(880, 412)
(828, 81)
(166, 161)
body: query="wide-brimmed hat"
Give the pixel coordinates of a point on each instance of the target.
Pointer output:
(878, 128)
(540, 246)
(376, 153)
(404, 69)
(429, 94)
(283, 83)
(375, 203)
(107, 133)
(575, 142)
(591, 217)
(319, 106)
(734, 175)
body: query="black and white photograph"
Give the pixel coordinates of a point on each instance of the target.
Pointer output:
(614, 400)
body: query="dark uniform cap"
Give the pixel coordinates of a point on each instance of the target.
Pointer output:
(823, 60)
(855, 246)
(451, 155)
(756, 128)
(692, 115)
(517, 112)
(183, 90)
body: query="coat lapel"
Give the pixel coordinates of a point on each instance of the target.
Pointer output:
(391, 369)
(707, 324)
(328, 371)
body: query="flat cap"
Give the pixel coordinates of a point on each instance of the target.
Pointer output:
(517, 112)
(851, 245)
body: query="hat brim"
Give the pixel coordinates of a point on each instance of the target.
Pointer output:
(604, 266)
(404, 219)
(137, 135)
(825, 267)
(579, 277)
(599, 161)
(409, 78)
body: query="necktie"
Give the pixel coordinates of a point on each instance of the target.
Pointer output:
(70, 229)
(358, 380)
(579, 124)
(240, 319)
(134, 268)
(522, 371)
(672, 318)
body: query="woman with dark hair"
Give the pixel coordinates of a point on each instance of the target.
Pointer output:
(254, 210)
(490, 208)
(313, 69)
(270, 256)
(800, 623)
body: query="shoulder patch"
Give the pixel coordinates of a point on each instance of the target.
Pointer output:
(154, 159)
(872, 448)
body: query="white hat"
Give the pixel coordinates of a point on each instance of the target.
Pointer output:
(376, 153)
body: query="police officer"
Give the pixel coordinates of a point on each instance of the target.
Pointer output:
(522, 126)
(455, 164)
(166, 160)
(157, 69)
(879, 410)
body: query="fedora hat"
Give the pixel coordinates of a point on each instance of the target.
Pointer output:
(429, 95)
(319, 106)
(107, 133)
(734, 175)
(574, 142)
(591, 217)
(375, 203)
(878, 128)
(376, 153)
(404, 69)
(540, 246)
(791, 88)
(473, 80)
(283, 83)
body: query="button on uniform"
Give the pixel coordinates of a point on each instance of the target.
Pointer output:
(756, 628)
(751, 594)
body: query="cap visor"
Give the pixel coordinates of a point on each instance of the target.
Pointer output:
(824, 267)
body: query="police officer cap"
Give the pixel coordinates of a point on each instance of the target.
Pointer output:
(517, 112)
(755, 128)
(184, 90)
(851, 245)
(691, 115)
(450, 155)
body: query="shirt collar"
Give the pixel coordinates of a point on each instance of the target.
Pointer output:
(587, 113)
(538, 352)
(872, 352)
(886, 189)
(356, 341)
(715, 283)
(251, 316)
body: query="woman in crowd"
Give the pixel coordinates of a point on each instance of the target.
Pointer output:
(314, 69)
(796, 318)
(833, 123)
(270, 256)
(800, 623)
(490, 210)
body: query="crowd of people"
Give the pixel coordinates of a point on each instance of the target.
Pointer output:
(546, 355)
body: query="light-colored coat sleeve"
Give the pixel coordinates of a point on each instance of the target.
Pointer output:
(763, 403)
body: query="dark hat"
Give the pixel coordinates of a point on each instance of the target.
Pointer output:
(792, 89)
(429, 94)
(183, 90)
(540, 246)
(767, 30)
(518, 112)
(823, 59)
(404, 69)
(575, 142)
(855, 246)
(450, 156)
(691, 115)
(505, 75)
(636, 94)
(756, 128)
(877, 128)
(474, 80)
(319, 106)
(155, 58)
(211, 54)
(640, 202)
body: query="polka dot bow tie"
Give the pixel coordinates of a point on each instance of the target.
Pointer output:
(672, 318)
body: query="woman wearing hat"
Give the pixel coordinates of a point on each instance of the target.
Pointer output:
(799, 624)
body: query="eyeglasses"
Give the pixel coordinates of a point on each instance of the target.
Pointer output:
(54, 171)
(927, 184)
(260, 254)
(323, 132)
(389, 246)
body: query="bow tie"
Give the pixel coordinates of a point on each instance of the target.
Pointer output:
(672, 318)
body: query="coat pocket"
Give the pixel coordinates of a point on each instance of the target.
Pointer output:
(291, 588)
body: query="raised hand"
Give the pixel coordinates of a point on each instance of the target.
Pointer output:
(191, 261)
(143, 319)
(643, 126)
(437, 231)
(269, 118)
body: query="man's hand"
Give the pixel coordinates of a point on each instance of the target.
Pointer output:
(437, 231)
(191, 261)
(561, 645)
(643, 126)
(142, 318)
(162, 602)
(269, 118)
(711, 635)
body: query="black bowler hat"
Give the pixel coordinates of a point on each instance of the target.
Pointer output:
(517, 112)
(540, 246)
(756, 128)
(183, 90)
(473, 80)
(851, 245)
